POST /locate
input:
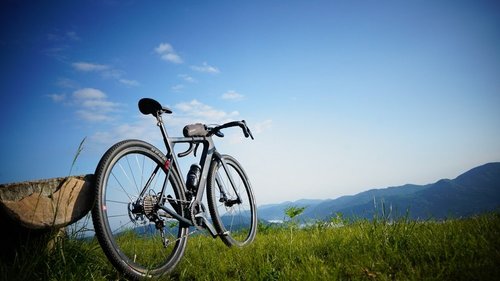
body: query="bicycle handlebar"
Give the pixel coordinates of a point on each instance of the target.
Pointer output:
(242, 124)
(210, 131)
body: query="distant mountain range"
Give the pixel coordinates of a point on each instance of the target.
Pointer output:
(475, 191)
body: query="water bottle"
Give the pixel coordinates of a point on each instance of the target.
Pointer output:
(193, 177)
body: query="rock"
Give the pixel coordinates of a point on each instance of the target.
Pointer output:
(50, 203)
(21, 241)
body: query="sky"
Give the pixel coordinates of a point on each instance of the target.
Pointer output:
(342, 96)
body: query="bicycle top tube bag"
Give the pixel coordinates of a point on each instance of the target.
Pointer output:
(195, 130)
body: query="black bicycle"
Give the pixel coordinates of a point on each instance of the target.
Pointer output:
(144, 212)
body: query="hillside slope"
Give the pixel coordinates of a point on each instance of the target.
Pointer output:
(475, 191)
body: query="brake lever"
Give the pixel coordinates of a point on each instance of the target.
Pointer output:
(250, 133)
(196, 148)
(189, 150)
(246, 130)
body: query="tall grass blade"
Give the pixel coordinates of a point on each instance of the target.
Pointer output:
(78, 151)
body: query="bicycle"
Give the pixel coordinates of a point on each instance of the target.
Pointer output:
(143, 212)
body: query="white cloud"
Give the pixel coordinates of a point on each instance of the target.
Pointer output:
(195, 111)
(206, 68)
(90, 104)
(93, 104)
(171, 57)
(129, 82)
(57, 98)
(263, 126)
(177, 88)
(144, 128)
(232, 95)
(101, 105)
(167, 53)
(88, 94)
(71, 35)
(60, 42)
(164, 48)
(93, 116)
(89, 67)
(112, 73)
(58, 52)
(187, 78)
(59, 36)
(103, 138)
(106, 71)
(66, 83)
(93, 101)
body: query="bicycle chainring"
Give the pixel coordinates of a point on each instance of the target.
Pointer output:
(196, 208)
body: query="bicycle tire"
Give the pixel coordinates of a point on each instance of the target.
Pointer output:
(131, 242)
(236, 223)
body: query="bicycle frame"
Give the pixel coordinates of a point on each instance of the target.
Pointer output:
(209, 153)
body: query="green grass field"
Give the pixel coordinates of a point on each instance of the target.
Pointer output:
(467, 249)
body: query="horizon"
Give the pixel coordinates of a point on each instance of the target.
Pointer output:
(370, 189)
(341, 96)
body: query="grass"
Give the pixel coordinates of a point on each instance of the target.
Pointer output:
(466, 249)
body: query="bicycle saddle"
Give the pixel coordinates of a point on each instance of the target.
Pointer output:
(150, 106)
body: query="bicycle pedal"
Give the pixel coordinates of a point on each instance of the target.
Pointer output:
(226, 233)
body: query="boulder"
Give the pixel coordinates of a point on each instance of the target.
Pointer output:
(48, 204)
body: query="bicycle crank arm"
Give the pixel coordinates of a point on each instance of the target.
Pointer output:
(209, 226)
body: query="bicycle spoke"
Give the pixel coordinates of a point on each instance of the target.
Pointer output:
(132, 174)
(118, 202)
(121, 227)
(140, 169)
(123, 189)
(125, 173)
(117, 216)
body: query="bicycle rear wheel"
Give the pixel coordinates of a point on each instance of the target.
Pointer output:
(232, 207)
(128, 226)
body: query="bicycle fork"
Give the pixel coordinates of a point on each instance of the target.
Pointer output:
(223, 196)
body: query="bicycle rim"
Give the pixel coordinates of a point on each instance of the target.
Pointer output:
(236, 221)
(130, 238)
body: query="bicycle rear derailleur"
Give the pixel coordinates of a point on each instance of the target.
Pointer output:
(144, 210)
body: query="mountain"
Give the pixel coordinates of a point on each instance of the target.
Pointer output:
(475, 191)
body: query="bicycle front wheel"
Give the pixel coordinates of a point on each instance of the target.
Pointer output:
(138, 238)
(231, 202)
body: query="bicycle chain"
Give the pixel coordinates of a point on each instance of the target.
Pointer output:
(165, 244)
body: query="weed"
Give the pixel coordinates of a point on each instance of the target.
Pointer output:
(77, 154)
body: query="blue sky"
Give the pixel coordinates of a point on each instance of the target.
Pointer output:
(342, 96)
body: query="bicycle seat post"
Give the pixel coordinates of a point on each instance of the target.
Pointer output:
(164, 134)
